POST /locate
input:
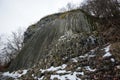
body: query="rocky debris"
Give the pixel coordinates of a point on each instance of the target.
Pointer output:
(92, 65)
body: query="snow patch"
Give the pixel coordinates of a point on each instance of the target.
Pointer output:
(61, 71)
(67, 76)
(52, 68)
(107, 54)
(79, 68)
(74, 60)
(89, 69)
(112, 59)
(107, 48)
(83, 56)
(16, 74)
(118, 66)
(91, 55)
(40, 78)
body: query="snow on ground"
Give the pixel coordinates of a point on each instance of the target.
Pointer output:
(118, 66)
(60, 72)
(79, 68)
(52, 68)
(89, 69)
(67, 76)
(40, 78)
(36, 78)
(84, 56)
(74, 60)
(112, 59)
(16, 74)
(107, 54)
(107, 48)
(63, 71)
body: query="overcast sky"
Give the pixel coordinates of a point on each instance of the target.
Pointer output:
(22, 13)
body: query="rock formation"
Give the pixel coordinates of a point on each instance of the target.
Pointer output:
(67, 44)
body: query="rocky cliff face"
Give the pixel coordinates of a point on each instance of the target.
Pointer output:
(67, 44)
(49, 32)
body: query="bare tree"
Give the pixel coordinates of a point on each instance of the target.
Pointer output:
(102, 8)
(4, 57)
(68, 7)
(14, 43)
(12, 47)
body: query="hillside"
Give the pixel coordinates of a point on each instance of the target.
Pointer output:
(68, 46)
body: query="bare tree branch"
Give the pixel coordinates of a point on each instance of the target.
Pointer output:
(102, 8)
(12, 48)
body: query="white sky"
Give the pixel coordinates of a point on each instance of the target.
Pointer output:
(22, 13)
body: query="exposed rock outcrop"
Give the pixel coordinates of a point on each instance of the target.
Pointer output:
(68, 44)
(46, 33)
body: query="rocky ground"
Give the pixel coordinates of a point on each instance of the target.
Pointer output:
(99, 63)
